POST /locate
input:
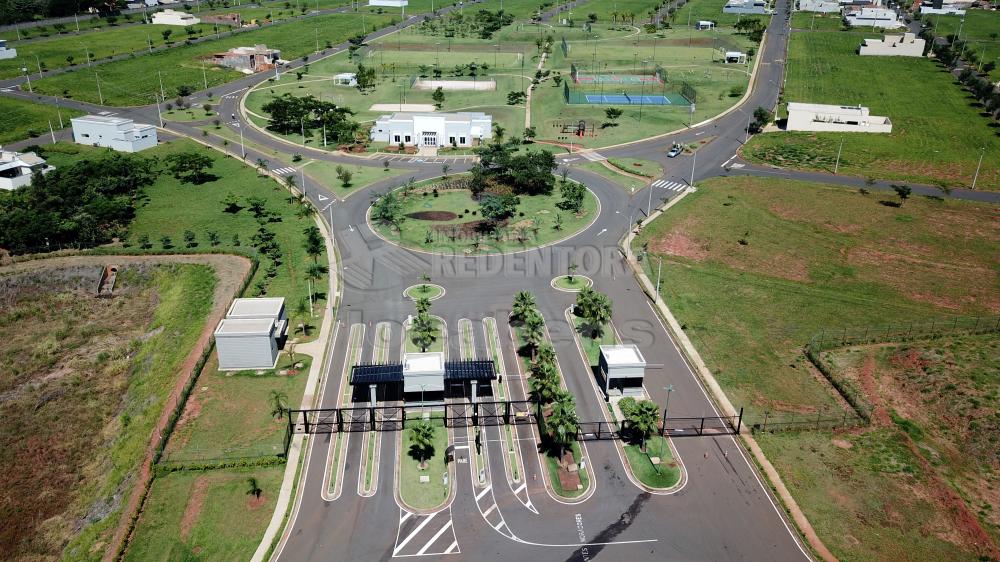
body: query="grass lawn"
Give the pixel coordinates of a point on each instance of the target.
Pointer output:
(627, 183)
(638, 166)
(134, 81)
(361, 176)
(205, 515)
(53, 52)
(424, 291)
(574, 283)
(643, 468)
(935, 138)
(229, 416)
(21, 119)
(817, 21)
(851, 262)
(710, 10)
(534, 211)
(981, 30)
(431, 494)
(192, 114)
(437, 345)
(592, 346)
(100, 367)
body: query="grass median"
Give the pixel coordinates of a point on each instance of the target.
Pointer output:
(434, 492)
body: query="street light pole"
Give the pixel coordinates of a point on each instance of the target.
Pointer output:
(836, 166)
(100, 96)
(24, 69)
(976, 177)
(747, 138)
(694, 162)
(669, 388)
(243, 149)
(659, 268)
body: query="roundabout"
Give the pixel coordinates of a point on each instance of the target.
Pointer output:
(572, 283)
(427, 291)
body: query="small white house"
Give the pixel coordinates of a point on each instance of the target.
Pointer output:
(5, 52)
(16, 168)
(746, 7)
(389, 3)
(704, 24)
(423, 372)
(345, 79)
(883, 18)
(433, 129)
(821, 6)
(905, 45)
(118, 133)
(844, 118)
(173, 17)
(623, 368)
(246, 343)
(260, 307)
(735, 57)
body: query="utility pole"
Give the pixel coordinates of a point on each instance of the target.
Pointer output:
(38, 63)
(99, 94)
(669, 388)
(837, 165)
(163, 93)
(51, 132)
(243, 149)
(159, 115)
(204, 76)
(149, 42)
(976, 177)
(24, 69)
(649, 204)
(659, 268)
(59, 113)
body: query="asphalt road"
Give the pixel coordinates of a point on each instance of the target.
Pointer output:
(723, 511)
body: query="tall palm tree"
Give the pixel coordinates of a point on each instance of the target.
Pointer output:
(422, 442)
(545, 355)
(279, 403)
(544, 384)
(563, 423)
(422, 304)
(533, 332)
(424, 332)
(595, 310)
(523, 303)
(643, 420)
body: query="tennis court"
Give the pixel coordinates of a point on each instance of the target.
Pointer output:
(617, 79)
(625, 99)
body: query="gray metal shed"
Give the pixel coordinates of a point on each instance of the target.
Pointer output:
(247, 343)
(623, 368)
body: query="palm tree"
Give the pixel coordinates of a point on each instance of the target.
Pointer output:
(424, 332)
(533, 332)
(643, 420)
(279, 403)
(563, 423)
(545, 355)
(261, 165)
(523, 302)
(422, 442)
(595, 310)
(253, 489)
(544, 384)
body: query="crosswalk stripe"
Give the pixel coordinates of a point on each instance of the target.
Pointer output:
(484, 492)
(490, 510)
(453, 546)
(523, 486)
(414, 533)
(434, 538)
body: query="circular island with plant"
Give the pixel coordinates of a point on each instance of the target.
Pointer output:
(506, 203)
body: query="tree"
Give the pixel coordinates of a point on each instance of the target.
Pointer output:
(571, 271)
(424, 331)
(529, 134)
(293, 115)
(613, 113)
(166, 242)
(524, 303)
(213, 238)
(261, 165)
(344, 175)
(533, 332)
(761, 117)
(594, 309)
(544, 384)
(573, 194)
(444, 170)
(422, 442)
(498, 208)
(516, 98)
(563, 423)
(253, 488)
(903, 191)
(279, 403)
(190, 239)
(314, 273)
(166, 33)
(388, 209)
(313, 242)
(422, 305)
(642, 416)
(144, 242)
(257, 206)
(438, 97)
(190, 166)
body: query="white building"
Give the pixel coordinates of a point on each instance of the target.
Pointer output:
(16, 168)
(389, 3)
(746, 7)
(121, 134)
(704, 24)
(883, 18)
(423, 372)
(5, 52)
(905, 45)
(623, 368)
(846, 118)
(735, 57)
(943, 11)
(173, 17)
(251, 334)
(345, 79)
(433, 129)
(821, 6)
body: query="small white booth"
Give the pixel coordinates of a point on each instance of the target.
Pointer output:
(623, 368)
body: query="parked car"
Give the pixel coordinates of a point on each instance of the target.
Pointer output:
(675, 150)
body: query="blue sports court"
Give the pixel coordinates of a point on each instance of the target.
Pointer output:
(625, 99)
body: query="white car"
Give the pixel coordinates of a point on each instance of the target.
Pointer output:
(674, 151)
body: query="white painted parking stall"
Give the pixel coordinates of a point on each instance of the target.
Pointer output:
(425, 535)
(670, 185)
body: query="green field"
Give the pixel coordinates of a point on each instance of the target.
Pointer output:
(135, 82)
(431, 494)
(710, 10)
(534, 211)
(753, 268)
(197, 515)
(982, 31)
(817, 21)
(52, 52)
(629, 184)
(21, 119)
(935, 139)
(101, 367)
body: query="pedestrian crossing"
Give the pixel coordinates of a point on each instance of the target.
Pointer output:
(432, 534)
(283, 171)
(670, 185)
(593, 156)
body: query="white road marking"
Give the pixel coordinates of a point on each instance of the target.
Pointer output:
(490, 510)
(726, 163)
(405, 517)
(414, 533)
(434, 538)
(453, 546)
(286, 170)
(484, 492)
(523, 486)
(669, 185)
(322, 197)
(603, 230)
(593, 156)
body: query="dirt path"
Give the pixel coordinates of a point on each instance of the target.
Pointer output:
(230, 271)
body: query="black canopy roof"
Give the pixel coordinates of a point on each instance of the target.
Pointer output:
(377, 373)
(470, 369)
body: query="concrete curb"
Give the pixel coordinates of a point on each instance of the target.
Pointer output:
(718, 395)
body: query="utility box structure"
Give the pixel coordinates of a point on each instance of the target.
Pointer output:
(117, 133)
(252, 334)
(623, 368)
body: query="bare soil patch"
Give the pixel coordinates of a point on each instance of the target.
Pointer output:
(433, 215)
(193, 508)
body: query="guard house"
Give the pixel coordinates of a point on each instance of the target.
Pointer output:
(735, 57)
(704, 24)
(423, 377)
(345, 79)
(118, 133)
(251, 334)
(623, 368)
(5, 51)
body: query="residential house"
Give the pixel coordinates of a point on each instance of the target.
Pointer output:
(118, 133)
(17, 168)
